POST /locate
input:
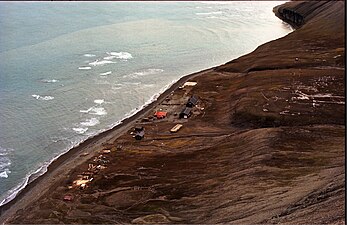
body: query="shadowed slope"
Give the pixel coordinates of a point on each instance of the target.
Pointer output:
(265, 145)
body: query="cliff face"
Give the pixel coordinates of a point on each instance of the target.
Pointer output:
(265, 146)
(300, 13)
(321, 34)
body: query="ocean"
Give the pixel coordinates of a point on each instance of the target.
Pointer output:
(70, 70)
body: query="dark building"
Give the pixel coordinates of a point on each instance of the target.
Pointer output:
(186, 112)
(137, 129)
(139, 135)
(192, 101)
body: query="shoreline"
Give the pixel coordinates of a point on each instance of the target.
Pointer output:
(47, 167)
(109, 134)
(44, 168)
(262, 136)
(31, 179)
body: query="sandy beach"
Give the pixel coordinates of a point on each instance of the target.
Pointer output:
(264, 143)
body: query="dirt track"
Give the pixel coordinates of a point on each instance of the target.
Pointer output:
(264, 145)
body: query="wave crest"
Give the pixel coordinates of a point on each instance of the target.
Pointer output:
(120, 55)
(106, 73)
(5, 162)
(80, 130)
(144, 73)
(44, 98)
(49, 81)
(90, 122)
(101, 63)
(84, 68)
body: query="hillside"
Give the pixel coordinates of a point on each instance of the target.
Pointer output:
(265, 145)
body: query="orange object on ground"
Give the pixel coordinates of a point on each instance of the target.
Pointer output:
(160, 114)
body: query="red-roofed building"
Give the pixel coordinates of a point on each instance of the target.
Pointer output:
(160, 114)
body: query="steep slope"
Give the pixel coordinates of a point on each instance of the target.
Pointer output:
(265, 145)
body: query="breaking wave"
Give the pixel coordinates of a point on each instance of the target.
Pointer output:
(11, 194)
(99, 101)
(44, 98)
(5, 173)
(49, 81)
(100, 63)
(90, 122)
(106, 73)
(5, 162)
(144, 73)
(84, 68)
(89, 55)
(119, 55)
(80, 130)
(95, 111)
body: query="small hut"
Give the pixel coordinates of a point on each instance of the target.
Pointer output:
(138, 129)
(186, 112)
(139, 133)
(192, 101)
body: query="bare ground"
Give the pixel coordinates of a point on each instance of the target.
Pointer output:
(266, 144)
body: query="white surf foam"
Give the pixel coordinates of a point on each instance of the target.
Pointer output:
(95, 111)
(144, 73)
(11, 194)
(47, 98)
(84, 68)
(120, 55)
(110, 57)
(100, 63)
(85, 111)
(80, 130)
(49, 81)
(89, 55)
(5, 173)
(5, 162)
(116, 87)
(98, 111)
(149, 101)
(132, 83)
(44, 98)
(148, 85)
(5, 151)
(149, 72)
(106, 73)
(90, 122)
(99, 101)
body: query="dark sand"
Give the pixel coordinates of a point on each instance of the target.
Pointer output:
(264, 145)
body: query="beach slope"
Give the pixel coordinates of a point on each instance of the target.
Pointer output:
(265, 143)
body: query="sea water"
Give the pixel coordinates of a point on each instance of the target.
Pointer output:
(70, 70)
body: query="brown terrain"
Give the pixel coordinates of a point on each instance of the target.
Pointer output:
(264, 144)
